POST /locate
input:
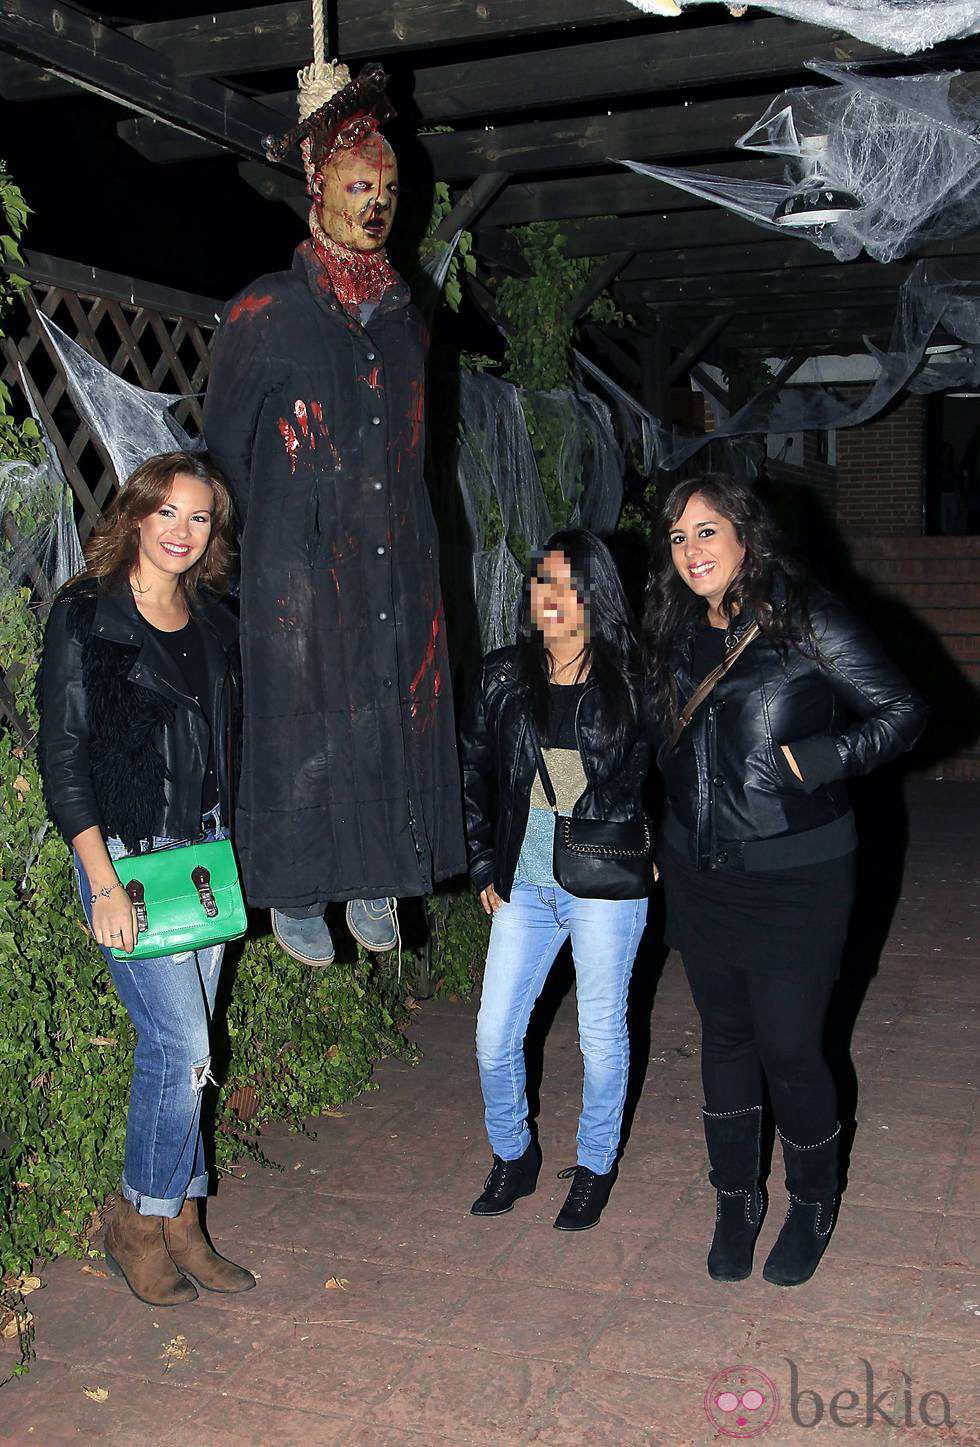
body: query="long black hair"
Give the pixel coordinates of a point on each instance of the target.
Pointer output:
(768, 588)
(611, 653)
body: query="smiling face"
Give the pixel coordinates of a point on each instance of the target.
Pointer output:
(557, 607)
(356, 194)
(175, 535)
(706, 550)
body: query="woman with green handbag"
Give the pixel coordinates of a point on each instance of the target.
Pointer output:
(136, 691)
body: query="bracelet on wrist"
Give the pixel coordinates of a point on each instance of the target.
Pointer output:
(105, 891)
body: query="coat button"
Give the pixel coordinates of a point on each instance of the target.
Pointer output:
(375, 421)
(721, 857)
(383, 617)
(370, 356)
(717, 781)
(386, 682)
(377, 486)
(380, 552)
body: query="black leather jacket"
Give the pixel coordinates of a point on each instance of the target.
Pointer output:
(499, 766)
(121, 745)
(733, 802)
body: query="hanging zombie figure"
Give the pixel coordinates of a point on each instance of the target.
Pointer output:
(314, 412)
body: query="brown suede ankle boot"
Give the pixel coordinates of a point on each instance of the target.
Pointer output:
(135, 1247)
(191, 1250)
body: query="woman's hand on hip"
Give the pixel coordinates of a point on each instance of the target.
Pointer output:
(114, 921)
(490, 899)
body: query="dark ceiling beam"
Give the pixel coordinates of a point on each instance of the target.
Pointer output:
(654, 132)
(601, 277)
(270, 37)
(697, 347)
(471, 204)
(100, 59)
(577, 71)
(658, 231)
(619, 193)
(761, 255)
(275, 185)
(832, 284)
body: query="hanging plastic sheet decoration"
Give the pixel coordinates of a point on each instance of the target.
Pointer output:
(930, 298)
(905, 26)
(897, 158)
(507, 512)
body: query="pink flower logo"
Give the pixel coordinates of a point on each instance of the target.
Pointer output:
(741, 1402)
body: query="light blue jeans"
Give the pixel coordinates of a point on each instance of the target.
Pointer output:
(525, 938)
(170, 1001)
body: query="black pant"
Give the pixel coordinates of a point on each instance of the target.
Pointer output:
(754, 1023)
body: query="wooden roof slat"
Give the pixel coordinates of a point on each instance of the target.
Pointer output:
(763, 255)
(120, 68)
(822, 283)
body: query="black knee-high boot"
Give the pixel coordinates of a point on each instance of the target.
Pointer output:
(733, 1152)
(812, 1179)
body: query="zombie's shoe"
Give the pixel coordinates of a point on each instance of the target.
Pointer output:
(307, 940)
(373, 924)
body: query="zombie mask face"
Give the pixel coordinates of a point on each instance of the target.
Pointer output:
(356, 193)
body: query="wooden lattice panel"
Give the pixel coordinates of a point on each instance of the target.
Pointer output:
(148, 336)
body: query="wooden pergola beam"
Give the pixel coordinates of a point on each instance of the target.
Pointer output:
(761, 255)
(752, 289)
(100, 59)
(470, 205)
(602, 276)
(697, 347)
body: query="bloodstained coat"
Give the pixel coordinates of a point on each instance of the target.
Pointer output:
(350, 781)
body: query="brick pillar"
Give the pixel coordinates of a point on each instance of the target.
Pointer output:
(880, 472)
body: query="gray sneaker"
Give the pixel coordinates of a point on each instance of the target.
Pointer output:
(307, 940)
(373, 923)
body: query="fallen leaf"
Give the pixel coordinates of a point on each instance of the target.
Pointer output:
(93, 1271)
(22, 787)
(336, 1283)
(176, 1350)
(96, 1394)
(26, 1284)
(103, 1040)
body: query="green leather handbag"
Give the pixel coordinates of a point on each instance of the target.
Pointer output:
(186, 897)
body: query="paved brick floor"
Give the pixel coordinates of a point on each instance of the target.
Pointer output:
(450, 1329)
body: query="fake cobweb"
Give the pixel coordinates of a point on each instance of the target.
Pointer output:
(931, 304)
(906, 148)
(905, 26)
(508, 512)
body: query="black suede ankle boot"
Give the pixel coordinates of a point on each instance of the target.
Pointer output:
(733, 1152)
(507, 1182)
(812, 1178)
(586, 1198)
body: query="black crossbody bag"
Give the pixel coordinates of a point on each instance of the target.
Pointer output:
(594, 859)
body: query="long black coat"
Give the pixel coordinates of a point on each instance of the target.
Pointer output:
(350, 781)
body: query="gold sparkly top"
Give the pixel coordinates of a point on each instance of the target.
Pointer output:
(567, 778)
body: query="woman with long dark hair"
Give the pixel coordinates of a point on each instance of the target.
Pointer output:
(136, 690)
(555, 755)
(770, 695)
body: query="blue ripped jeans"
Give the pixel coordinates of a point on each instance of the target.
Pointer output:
(525, 938)
(170, 1001)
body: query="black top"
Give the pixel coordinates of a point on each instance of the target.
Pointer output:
(563, 700)
(709, 650)
(186, 650)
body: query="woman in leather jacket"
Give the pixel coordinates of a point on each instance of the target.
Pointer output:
(136, 689)
(757, 847)
(574, 678)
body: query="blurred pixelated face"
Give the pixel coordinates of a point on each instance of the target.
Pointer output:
(356, 194)
(558, 605)
(706, 550)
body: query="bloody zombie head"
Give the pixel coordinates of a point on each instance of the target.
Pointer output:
(355, 193)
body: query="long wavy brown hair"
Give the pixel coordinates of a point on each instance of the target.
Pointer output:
(770, 587)
(113, 549)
